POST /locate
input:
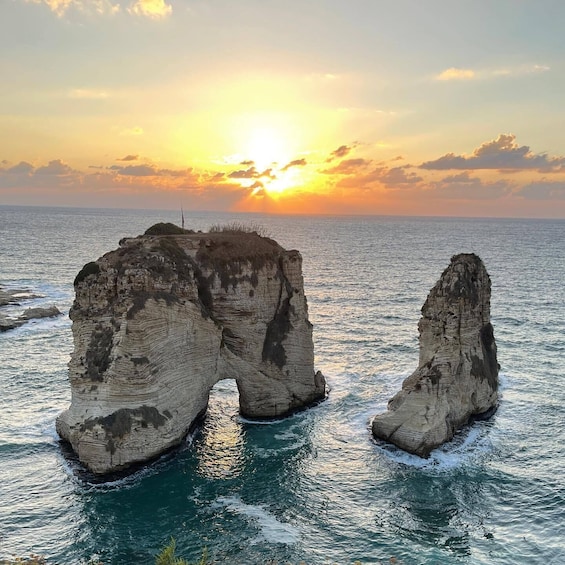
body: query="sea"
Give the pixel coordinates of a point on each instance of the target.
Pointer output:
(314, 488)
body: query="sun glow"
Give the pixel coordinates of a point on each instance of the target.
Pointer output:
(284, 182)
(266, 147)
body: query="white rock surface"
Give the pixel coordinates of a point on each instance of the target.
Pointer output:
(157, 322)
(457, 376)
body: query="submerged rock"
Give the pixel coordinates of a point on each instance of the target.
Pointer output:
(15, 296)
(9, 297)
(36, 313)
(8, 323)
(457, 376)
(157, 322)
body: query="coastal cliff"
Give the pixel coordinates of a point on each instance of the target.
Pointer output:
(159, 321)
(457, 376)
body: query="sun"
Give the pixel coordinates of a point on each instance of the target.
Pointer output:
(266, 147)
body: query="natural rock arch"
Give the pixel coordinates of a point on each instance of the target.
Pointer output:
(159, 321)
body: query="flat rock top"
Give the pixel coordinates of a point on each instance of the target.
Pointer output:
(207, 247)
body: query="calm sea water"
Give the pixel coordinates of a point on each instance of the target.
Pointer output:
(314, 487)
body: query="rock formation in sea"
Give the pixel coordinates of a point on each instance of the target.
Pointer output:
(13, 297)
(457, 376)
(159, 321)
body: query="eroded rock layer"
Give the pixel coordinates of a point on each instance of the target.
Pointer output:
(157, 322)
(457, 376)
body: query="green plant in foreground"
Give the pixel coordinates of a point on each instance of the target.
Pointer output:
(168, 557)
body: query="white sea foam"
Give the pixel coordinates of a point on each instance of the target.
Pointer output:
(270, 422)
(272, 529)
(469, 446)
(265, 453)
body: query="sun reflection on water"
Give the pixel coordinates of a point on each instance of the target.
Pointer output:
(221, 443)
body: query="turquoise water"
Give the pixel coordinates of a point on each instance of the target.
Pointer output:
(314, 487)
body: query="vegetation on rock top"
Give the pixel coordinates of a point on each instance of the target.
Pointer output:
(166, 228)
(91, 268)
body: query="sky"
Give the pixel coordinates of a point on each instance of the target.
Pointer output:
(404, 107)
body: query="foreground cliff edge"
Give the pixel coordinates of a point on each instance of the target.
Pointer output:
(457, 376)
(159, 321)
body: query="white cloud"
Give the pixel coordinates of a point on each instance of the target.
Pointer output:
(154, 9)
(60, 7)
(151, 8)
(456, 74)
(520, 71)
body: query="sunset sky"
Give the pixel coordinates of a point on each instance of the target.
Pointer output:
(412, 107)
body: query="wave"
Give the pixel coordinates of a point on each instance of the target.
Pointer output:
(468, 447)
(272, 530)
(266, 453)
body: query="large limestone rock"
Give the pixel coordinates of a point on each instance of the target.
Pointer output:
(457, 377)
(157, 322)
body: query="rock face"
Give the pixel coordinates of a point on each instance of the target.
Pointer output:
(157, 322)
(457, 377)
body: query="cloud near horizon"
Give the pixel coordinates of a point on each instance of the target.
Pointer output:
(543, 190)
(383, 177)
(251, 173)
(347, 167)
(502, 154)
(351, 178)
(464, 186)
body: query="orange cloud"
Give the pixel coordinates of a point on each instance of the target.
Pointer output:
(295, 163)
(129, 158)
(339, 153)
(347, 167)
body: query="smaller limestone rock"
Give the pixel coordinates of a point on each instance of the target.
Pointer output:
(5, 297)
(35, 313)
(457, 377)
(8, 323)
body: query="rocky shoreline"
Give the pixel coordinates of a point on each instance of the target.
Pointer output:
(15, 297)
